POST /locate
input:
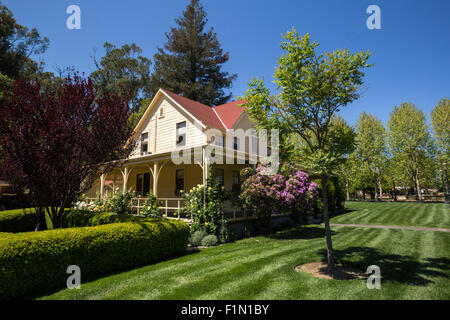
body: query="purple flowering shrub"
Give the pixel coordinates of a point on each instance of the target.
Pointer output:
(288, 191)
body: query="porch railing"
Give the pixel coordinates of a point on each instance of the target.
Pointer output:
(171, 206)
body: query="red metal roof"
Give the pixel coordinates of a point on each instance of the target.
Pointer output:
(227, 114)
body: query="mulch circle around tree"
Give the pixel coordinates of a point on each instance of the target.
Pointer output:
(339, 272)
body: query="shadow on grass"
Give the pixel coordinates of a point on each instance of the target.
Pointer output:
(393, 267)
(85, 279)
(341, 212)
(300, 233)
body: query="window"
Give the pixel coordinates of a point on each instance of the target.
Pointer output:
(181, 134)
(220, 176)
(236, 143)
(179, 181)
(236, 183)
(144, 144)
(161, 112)
(142, 184)
(254, 148)
(218, 140)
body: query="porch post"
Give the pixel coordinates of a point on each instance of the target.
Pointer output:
(125, 179)
(155, 178)
(102, 185)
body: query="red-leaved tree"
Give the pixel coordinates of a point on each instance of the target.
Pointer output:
(54, 144)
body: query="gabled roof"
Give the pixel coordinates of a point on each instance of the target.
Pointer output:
(221, 117)
(230, 112)
(201, 112)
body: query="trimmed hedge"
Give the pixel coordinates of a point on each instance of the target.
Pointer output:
(37, 261)
(18, 220)
(85, 218)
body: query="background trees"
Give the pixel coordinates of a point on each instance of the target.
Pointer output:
(313, 88)
(17, 44)
(371, 142)
(440, 120)
(123, 71)
(410, 140)
(191, 61)
(55, 143)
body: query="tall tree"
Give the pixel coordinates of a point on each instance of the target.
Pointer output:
(124, 71)
(17, 45)
(440, 120)
(192, 60)
(371, 147)
(312, 88)
(55, 144)
(410, 140)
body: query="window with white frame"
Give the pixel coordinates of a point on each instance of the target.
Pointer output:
(144, 144)
(181, 134)
(218, 140)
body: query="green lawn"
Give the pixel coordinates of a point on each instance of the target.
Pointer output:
(414, 265)
(396, 214)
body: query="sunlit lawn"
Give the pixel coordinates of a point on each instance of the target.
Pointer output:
(396, 214)
(414, 264)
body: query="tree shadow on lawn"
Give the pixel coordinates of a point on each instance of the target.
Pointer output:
(89, 278)
(393, 267)
(340, 212)
(300, 233)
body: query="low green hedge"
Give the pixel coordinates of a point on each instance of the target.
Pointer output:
(37, 261)
(18, 220)
(85, 218)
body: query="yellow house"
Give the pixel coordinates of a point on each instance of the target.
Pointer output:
(178, 142)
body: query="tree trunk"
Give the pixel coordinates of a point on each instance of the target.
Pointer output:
(326, 219)
(346, 190)
(381, 188)
(419, 193)
(41, 224)
(395, 191)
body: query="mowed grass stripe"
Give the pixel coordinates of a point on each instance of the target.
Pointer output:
(396, 214)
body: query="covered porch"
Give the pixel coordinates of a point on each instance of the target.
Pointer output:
(165, 180)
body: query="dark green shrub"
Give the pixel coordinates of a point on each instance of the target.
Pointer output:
(37, 261)
(18, 220)
(225, 233)
(210, 241)
(197, 236)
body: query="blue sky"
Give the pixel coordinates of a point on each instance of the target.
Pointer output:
(411, 51)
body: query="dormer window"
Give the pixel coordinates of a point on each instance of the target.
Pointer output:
(181, 134)
(144, 144)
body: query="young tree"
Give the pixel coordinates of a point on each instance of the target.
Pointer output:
(410, 140)
(312, 89)
(192, 60)
(124, 71)
(55, 144)
(371, 147)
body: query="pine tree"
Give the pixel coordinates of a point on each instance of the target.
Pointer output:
(190, 62)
